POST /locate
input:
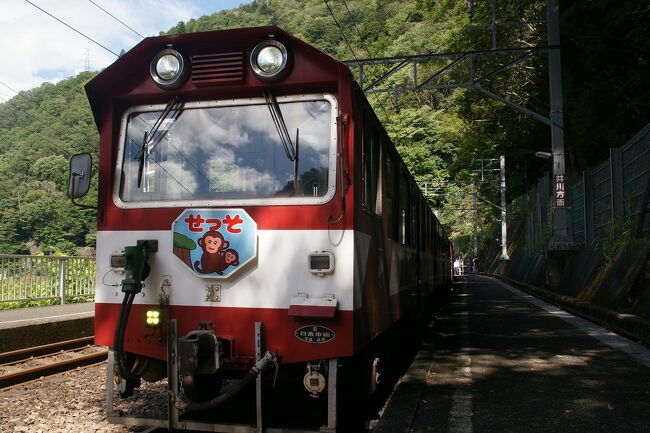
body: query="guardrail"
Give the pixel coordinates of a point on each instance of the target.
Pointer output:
(35, 278)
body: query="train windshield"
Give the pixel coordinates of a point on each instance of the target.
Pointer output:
(228, 153)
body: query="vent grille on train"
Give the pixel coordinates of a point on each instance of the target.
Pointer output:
(211, 69)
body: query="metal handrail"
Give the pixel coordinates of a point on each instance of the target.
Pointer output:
(35, 278)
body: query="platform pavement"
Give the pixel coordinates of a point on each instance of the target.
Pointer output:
(499, 360)
(629, 325)
(25, 327)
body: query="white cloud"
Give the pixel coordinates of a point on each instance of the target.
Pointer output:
(37, 48)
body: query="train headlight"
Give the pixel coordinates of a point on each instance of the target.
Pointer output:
(270, 60)
(153, 318)
(169, 69)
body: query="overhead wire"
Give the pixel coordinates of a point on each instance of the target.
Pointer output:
(17, 92)
(33, 132)
(348, 44)
(76, 128)
(364, 46)
(73, 29)
(22, 95)
(116, 19)
(341, 30)
(39, 122)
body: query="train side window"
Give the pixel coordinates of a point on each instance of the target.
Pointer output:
(429, 225)
(391, 189)
(423, 225)
(379, 154)
(366, 157)
(403, 209)
(414, 217)
(371, 168)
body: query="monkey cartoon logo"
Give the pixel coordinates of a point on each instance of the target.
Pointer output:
(215, 258)
(215, 243)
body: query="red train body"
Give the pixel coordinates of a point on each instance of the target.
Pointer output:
(262, 197)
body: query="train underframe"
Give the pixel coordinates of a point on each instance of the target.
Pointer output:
(345, 393)
(193, 416)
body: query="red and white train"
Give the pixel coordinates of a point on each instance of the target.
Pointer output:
(253, 216)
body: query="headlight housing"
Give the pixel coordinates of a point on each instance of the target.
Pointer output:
(169, 69)
(270, 60)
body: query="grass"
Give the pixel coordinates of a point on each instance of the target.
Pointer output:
(13, 305)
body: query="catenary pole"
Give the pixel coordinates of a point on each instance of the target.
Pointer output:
(561, 238)
(504, 225)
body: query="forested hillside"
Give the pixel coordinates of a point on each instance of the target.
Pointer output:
(39, 131)
(605, 60)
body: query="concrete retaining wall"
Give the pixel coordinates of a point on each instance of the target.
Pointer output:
(42, 333)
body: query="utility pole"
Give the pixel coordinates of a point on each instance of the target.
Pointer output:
(475, 224)
(502, 208)
(562, 238)
(504, 226)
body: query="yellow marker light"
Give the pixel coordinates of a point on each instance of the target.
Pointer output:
(153, 318)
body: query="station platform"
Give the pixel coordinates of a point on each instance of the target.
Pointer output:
(498, 359)
(27, 327)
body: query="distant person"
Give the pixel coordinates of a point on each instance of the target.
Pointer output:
(475, 265)
(456, 267)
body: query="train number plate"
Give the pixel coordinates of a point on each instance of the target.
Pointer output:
(315, 334)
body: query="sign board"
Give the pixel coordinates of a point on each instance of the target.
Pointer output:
(214, 243)
(314, 334)
(560, 191)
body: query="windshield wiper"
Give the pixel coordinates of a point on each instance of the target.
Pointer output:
(283, 132)
(151, 139)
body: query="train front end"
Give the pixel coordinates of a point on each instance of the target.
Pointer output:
(223, 244)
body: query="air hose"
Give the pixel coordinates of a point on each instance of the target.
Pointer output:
(267, 360)
(137, 270)
(122, 364)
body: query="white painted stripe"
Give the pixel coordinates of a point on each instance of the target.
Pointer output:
(462, 406)
(615, 341)
(280, 271)
(460, 417)
(40, 319)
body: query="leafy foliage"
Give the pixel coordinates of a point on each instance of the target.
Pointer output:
(39, 131)
(440, 134)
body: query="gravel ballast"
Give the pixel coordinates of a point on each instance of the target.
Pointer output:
(70, 402)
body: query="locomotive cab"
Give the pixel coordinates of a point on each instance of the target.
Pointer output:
(234, 241)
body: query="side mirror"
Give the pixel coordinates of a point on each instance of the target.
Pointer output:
(80, 173)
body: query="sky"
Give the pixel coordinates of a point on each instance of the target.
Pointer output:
(36, 48)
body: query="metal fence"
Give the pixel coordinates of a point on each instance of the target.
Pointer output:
(538, 219)
(31, 278)
(605, 201)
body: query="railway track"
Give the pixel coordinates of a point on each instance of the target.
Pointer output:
(28, 364)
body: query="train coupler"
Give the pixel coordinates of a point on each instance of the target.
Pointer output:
(199, 352)
(200, 355)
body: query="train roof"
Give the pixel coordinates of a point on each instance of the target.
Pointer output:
(129, 74)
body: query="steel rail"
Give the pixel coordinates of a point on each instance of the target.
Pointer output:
(46, 349)
(47, 366)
